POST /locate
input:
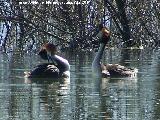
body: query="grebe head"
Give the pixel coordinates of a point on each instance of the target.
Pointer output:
(47, 51)
(51, 48)
(105, 34)
(43, 54)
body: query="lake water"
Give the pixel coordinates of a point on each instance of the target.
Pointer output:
(84, 96)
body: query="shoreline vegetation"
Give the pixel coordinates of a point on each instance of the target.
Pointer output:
(73, 24)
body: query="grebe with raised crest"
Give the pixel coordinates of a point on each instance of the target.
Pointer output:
(56, 67)
(109, 70)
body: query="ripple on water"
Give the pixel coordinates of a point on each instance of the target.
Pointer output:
(85, 97)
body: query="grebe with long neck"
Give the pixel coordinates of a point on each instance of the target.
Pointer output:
(56, 67)
(109, 70)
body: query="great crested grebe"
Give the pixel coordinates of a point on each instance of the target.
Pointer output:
(109, 70)
(55, 68)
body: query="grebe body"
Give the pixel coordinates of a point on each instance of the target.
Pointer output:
(56, 67)
(109, 70)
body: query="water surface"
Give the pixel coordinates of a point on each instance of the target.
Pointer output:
(84, 96)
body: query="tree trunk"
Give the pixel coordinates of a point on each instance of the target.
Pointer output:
(126, 35)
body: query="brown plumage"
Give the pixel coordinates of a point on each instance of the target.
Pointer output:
(116, 70)
(46, 49)
(55, 68)
(49, 47)
(106, 70)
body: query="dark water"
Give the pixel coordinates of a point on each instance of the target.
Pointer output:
(84, 97)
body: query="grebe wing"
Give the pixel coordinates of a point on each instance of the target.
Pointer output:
(119, 70)
(45, 70)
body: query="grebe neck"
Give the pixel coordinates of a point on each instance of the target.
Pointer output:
(60, 62)
(96, 66)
